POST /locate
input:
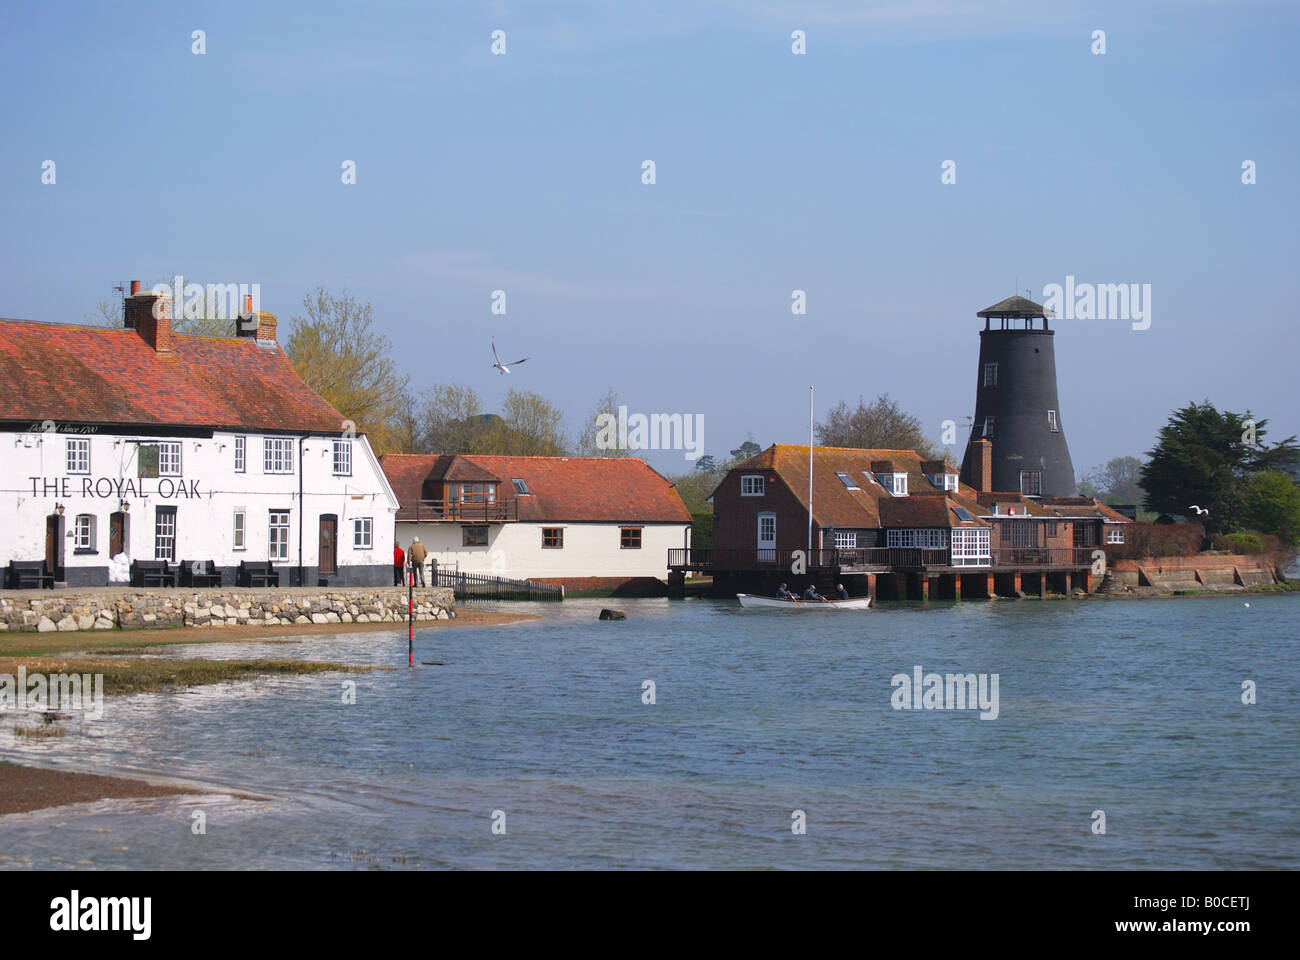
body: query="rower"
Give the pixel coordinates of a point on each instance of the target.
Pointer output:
(812, 594)
(783, 594)
(841, 592)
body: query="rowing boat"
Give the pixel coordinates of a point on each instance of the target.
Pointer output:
(749, 600)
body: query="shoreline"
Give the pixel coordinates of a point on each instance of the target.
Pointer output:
(25, 789)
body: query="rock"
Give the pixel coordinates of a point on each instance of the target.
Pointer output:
(85, 622)
(332, 617)
(103, 623)
(347, 617)
(67, 623)
(301, 619)
(232, 621)
(46, 625)
(608, 614)
(362, 618)
(318, 618)
(150, 618)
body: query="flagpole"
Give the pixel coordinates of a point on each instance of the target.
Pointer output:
(810, 470)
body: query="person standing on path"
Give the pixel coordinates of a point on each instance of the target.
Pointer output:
(416, 554)
(399, 564)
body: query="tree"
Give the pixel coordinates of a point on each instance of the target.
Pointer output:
(337, 354)
(706, 464)
(587, 439)
(530, 426)
(1205, 457)
(883, 425)
(1272, 505)
(449, 419)
(1116, 482)
(746, 450)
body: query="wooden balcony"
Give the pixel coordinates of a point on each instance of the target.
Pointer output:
(459, 511)
(878, 559)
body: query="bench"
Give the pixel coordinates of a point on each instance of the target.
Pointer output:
(151, 573)
(200, 573)
(24, 574)
(258, 574)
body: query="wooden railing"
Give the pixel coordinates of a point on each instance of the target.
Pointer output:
(482, 586)
(460, 511)
(874, 558)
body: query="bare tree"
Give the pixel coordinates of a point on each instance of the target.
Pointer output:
(883, 425)
(587, 439)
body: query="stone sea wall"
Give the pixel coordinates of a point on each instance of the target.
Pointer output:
(136, 609)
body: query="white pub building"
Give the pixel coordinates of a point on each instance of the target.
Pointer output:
(138, 455)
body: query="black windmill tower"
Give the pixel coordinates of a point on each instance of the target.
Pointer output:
(1016, 404)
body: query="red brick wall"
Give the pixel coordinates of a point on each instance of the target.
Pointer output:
(737, 525)
(623, 586)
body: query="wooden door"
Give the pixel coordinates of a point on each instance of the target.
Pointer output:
(116, 533)
(329, 525)
(52, 544)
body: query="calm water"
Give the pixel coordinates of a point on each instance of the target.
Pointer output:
(1133, 708)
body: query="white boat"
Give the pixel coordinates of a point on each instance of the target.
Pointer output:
(748, 600)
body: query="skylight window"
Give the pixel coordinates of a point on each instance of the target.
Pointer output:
(963, 514)
(521, 486)
(847, 481)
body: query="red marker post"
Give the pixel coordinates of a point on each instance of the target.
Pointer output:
(410, 617)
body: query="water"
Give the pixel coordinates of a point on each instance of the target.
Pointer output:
(1130, 707)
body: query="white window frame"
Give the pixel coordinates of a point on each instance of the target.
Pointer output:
(970, 547)
(1052, 423)
(949, 481)
(753, 485)
(77, 455)
(991, 374)
(169, 458)
(239, 530)
(241, 454)
(363, 533)
(342, 458)
(83, 533)
(164, 534)
(1115, 535)
(900, 485)
(277, 547)
(277, 456)
(846, 539)
(923, 538)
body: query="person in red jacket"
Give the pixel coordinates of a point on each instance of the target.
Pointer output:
(399, 564)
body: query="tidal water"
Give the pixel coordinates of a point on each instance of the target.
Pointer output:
(1132, 708)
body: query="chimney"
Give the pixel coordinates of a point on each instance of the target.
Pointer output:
(259, 325)
(151, 316)
(980, 456)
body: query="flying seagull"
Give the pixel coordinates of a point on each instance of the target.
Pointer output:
(1199, 510)
(504, 368)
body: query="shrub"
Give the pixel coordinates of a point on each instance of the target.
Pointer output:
(1157, 540)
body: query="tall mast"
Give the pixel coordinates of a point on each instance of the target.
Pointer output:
(810, 469)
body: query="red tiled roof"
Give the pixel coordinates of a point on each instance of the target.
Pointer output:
(927, 510)
(561, 489)
(61, 372)
(834, 505)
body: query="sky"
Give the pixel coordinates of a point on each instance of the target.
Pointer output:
(774, 172)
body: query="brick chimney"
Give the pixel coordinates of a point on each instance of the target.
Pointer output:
(980, 456)
(259, 325)
(151, 316)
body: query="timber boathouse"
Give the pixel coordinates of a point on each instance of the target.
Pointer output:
(895, 525)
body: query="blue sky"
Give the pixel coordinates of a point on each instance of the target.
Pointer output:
(775, 172)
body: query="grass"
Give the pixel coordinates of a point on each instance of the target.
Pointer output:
(124, 675)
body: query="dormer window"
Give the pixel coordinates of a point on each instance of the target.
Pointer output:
(472, 492)
(895, 483)
(752, 486)
(847, 481)
(944, 481)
